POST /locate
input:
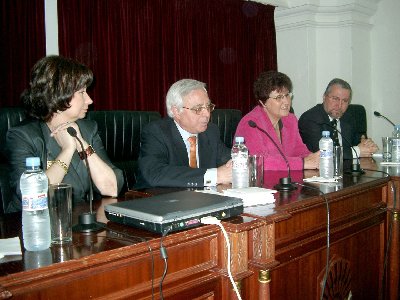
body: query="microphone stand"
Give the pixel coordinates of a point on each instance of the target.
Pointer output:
(86, 221)
(285, 183)
(382, 116)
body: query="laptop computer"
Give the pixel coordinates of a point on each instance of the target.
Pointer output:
(173, 211)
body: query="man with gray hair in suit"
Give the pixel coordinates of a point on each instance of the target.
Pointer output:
(184, 149)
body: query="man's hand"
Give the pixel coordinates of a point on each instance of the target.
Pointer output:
(224, 173)
(367, 147)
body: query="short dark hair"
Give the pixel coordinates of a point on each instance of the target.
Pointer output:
(54, 80)
(340, 82)
(270, 81)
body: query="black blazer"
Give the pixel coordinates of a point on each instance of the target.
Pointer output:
(315, 120)
(163, 159)
(32, 138)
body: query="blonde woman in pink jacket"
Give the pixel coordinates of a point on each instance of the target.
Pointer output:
(273, 91)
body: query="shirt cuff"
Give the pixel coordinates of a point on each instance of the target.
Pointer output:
(210, 177)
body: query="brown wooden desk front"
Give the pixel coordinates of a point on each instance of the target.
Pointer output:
(278, 252)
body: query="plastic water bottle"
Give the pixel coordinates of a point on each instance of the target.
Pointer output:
(396, 144)
(35, 212)
(37, 259)
(326, 155)
(240, 164)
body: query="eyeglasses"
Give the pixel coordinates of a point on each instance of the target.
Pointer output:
(198, 109)
(337, 99)
(280, 97)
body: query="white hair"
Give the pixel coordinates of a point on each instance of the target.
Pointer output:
(179, 90)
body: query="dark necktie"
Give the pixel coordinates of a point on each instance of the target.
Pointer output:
(192, 153)
(335, 135)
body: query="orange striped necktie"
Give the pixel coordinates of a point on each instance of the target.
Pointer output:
(192, 155)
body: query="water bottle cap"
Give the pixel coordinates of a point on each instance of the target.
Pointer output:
(326, 133)
(397, 127)
(32, 162)
(239, 139)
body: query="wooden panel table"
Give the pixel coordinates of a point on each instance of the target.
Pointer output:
(278, 251)
(393, 231)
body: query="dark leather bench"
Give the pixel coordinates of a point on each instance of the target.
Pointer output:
(227, 121)
(120, 133)
(357, 113)
(8, 117)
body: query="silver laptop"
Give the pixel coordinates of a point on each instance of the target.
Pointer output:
(173, 211)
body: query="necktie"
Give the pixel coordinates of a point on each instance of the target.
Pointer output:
(335, 136)
(192, 154)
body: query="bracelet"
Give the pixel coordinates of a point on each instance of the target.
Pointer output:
(62, 164)
(84, 154)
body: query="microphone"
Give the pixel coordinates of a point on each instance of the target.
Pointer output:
(285, 183)
(382, 116)
(355, 167)
(86, 221)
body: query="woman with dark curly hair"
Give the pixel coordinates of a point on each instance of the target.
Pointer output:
(57, 99)
(273, 92)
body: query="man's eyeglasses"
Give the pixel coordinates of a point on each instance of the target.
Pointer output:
(280, 97)
(337, 99)
(198, 109)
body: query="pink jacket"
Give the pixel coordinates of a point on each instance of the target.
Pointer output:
(258, 143)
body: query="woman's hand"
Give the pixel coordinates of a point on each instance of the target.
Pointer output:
(65, 140)
(312, 161)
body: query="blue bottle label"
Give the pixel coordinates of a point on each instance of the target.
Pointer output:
(33, 202)
(325, 153)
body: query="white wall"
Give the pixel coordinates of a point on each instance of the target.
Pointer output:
(51, 24)
(385, 67)
(356, 40)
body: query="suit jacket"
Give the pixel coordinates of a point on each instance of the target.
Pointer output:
(315, 120)
(258, 143)
(32, 138)
(163, 159)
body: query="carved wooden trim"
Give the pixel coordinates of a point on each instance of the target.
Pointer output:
(257, 242)
(338, 283)
(4, 294)
(239, 252)
(263, 239)
(270, 241)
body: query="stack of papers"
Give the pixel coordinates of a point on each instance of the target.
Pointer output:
(10, 246)
(252, 195)
(319, 179)
(390, 163)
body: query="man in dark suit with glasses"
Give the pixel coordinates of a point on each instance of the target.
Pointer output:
(184, 149)
(331, 115)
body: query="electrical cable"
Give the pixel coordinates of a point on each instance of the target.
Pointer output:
(214, 220)
(327, 236)
(164, 256)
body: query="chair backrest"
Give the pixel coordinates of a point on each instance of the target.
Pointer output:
(9, 117)
(358, 116)
(120, 132)
(227, 121)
